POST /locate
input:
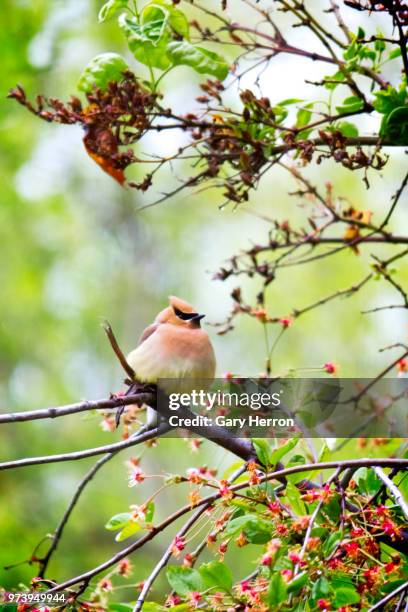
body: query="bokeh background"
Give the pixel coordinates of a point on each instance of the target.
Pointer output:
(75, 251)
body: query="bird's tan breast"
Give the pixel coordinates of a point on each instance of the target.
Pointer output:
(174, 352)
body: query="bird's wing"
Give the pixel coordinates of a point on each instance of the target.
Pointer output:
(148, 332)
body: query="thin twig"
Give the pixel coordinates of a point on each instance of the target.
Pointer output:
(90, 452)
(117, 350)
(380, 604)
(86, 405)
(396, 493)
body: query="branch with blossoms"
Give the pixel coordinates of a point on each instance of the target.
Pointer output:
(276, 518)
(285, 560)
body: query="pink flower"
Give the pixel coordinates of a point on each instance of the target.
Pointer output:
(137, 476)
(124, 568)
(274, 507)
(402, 366)
(178, 545)
(266, 559)
(323, 604)
(105, 584)
(294, 556)
(195, 597)
(286, 321)
(330, 367)
(173, 600)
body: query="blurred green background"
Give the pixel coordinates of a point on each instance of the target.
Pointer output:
(75, 251)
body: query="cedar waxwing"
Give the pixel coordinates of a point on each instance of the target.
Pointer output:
(173, 347)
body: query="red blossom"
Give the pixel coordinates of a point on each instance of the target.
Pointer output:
(188, 560)
(137, 476)
(267, 559)
(351, 548)
(222, 549)
(178, 545)
(195, 597)
(390, 567)
(225, 490)
(286, 321)
(330, 367)
(275, 507)
(287, 575)
(371, 576)
(294, 556)
(402, 366)
(323, 604)
(105, 584)
(124, 567)
(390, 528)
(173, 600)
(282, 529)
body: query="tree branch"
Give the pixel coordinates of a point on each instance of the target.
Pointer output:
(277, 475)
(91, 452)
(396, 493)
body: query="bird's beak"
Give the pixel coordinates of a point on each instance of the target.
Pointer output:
(198, 317)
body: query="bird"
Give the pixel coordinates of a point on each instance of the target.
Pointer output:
(175, 348)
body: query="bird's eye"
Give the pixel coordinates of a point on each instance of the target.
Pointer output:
(184, 316)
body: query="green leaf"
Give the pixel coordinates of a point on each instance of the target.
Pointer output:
(387, 100)
(346, 597)
(296, 460)
(331, 543)
(183, 580)
(263, 450)
(175, 19)
(277, 591)
(269, 456)
(394, 127)
(201, 60)
(152, 606)
(351, 51)
(394, 54)
(256, 529)
(294, 498)
(282, 450)
(347, 129)
(216, 574)
(303, 117)
(101, 70)
(321, 588)
(118, 521)
(128, 530)
(297, 583)
(325, 452)
(289, 101)
(337, 77)
(352, 104)
(367, 481)
(147, 41)
(110, 8)
(120, 607)
(149, 512)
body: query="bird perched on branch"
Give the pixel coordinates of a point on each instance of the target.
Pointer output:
(175, 348)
